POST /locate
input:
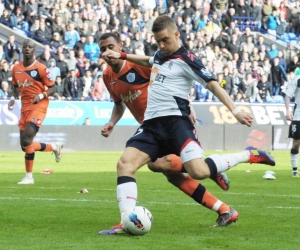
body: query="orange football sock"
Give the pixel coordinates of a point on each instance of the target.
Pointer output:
(189, 185)
(176, 163)
(199, 193)
(29, 158)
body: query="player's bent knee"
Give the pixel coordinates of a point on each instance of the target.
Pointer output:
(126, 168)
(153, 167)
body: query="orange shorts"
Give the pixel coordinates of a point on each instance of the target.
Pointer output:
(35, 116)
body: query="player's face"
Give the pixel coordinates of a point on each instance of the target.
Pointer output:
(167, 41)
(110, 44)
(28, 50)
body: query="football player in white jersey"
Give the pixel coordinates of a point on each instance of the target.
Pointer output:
(293, 90)
(167, 128)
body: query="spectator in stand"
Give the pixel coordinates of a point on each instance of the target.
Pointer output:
(59, 26)
(256, 71)
(73, 87)
(249, 44)
(282, 61)
(260, 42)
(251, 93)
(80, 44)
(121, 15)
(228, 18)
(91, 50)
(254, 55)
(17, 19)
(62, 65)
(295, 63)
(2, 54)
(267, 68)
(282, 25)
(6, 16)
(43, 33)
(295, 21)
(243, 10)
(273, 52)
(64, 13)
(10, 49)
(219, 6)
(55, 71)
(98, 91)
(5, 73)
(272, 23)
(128, 46)
(278, 77)
(56, 41)
(80, 65)
(264, 88)
(35, 26)
(266, 12)
(87, 81)
(60, 89)
(76, 20)
(257, 14)
(227, 82)
(160, 8)
(5, 90)
(71, 60)
(150, 45)
(71, 36)
(289, 53)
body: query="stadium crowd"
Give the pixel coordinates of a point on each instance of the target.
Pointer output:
(222, 33)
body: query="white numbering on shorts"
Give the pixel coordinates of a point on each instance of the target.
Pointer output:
(139, 131)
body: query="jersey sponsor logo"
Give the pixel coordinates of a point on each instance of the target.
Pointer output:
(33, 73)
(48, 74)
(139, 131)
(131, 96)
(130, 77)
(18, 72)
(160, 78)
(24, 84)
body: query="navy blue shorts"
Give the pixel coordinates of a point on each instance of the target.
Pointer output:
(164, 135)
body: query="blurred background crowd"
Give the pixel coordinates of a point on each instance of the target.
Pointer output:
(237, 41)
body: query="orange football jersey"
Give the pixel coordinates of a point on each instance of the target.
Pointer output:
(130, 85)
(32, 81)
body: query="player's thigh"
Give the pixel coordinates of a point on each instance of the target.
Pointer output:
(296, 144)
(184, 140)
(131, 160)
(294, 130)
(145, 141)
(161, 164)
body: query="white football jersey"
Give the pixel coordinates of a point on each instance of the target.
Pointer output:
(171, 81)
(293, 89)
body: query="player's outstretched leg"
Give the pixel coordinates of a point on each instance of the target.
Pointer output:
(227, 218)
(57, 147)
(260, 156)
(222, 180)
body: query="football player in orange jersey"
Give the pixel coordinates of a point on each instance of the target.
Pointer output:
(30, 81)
(127, 84)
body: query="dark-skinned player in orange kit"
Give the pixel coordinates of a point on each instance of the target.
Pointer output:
(32, 81)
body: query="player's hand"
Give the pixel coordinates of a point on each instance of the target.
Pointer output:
(11, 104)
(107, 129)
(289, 116)
(110, 54)
(36, 99)
(193, 117)
(244, 118)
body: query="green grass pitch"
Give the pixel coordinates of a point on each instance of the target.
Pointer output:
(51, 214)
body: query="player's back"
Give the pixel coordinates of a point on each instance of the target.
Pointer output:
(31, 81)
(130, 86)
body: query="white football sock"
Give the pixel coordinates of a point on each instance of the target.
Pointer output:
(127, 196)
(227, 161)
(294, 161)
(54, 146)
(28, 175)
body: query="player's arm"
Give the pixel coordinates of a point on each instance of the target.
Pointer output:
(49, 92)
(289, 114)
(221, 94)
(117, 113)
(137, 59)
(14, 95)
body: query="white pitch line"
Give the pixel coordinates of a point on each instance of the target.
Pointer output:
(113, 201)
